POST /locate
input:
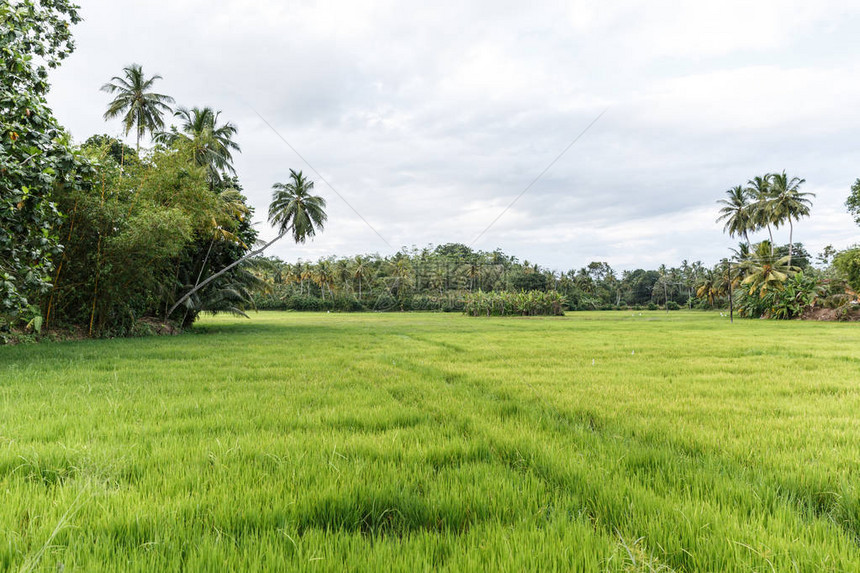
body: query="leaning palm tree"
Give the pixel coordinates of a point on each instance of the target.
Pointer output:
(293, 211)
(761, 211)
(736, 213)
(211, 144)
(143, 108)
(789, 204)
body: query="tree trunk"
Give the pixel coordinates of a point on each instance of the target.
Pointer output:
(200, 274)
(55, 287)
(790, 240)
(770, 234)
(731, 302)
(96, 286)
(221, 272)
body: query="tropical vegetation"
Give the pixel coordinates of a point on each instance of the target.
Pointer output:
(763, 280)
(102, 239)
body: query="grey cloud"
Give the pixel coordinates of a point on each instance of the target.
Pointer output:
(431, 119)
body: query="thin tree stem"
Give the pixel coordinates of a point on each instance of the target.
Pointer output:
(221, 272)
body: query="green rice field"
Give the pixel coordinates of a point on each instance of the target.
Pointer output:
(611, 441)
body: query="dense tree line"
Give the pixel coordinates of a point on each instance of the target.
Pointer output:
(443, 278)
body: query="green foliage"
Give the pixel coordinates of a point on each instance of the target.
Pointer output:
(528, 281)
(797, 294)
(848, 263)
(440, 278)
(121, 153)
(140, 233)
(35, 157)
(523, 303)
(211, 144)
(853, 201)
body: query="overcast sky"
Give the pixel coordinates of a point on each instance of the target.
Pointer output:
(430, 118)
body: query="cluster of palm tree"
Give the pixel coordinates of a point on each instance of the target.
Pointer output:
(760, 268)
(425, 272)
(143, 111)
(293, 210)
(766, 280)
(767, 201)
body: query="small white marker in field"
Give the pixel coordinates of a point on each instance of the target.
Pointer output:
(592, 361)
(634, 352)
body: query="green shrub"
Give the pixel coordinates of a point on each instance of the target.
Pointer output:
(524, 303)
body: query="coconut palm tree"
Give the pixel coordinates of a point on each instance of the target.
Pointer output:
(360, 271)
(142, 107)
(708, 287)
(764, 272)
(293, 211)
(789, 204)
(212, 144)
(768, 275)
(323, 276)
(761, 211)
(736, 213)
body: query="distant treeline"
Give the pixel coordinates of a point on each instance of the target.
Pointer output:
(442, 278)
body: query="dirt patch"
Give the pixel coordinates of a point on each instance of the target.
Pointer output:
(832, 314)
(157, 327)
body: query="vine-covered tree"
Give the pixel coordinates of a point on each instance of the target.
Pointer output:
(35, 155)
(853, 201)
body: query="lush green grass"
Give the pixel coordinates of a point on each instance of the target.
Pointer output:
(598, 441)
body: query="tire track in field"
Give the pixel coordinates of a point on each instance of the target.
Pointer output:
(649, 464)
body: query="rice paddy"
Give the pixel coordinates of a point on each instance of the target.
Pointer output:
(611, 441)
